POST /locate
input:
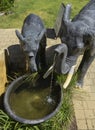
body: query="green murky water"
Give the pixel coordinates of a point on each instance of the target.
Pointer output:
(31, 102)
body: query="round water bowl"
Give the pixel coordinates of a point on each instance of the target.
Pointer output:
(32, 103)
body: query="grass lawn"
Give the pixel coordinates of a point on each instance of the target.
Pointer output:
(46, 9)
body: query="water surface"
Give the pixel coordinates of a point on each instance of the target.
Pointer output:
(30, 102)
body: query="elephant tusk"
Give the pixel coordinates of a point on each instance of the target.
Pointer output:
(69, 77)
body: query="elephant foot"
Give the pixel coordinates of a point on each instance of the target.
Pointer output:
(79, 85)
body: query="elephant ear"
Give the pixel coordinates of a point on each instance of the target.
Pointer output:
(18, 34)
(59, 21)
(64, 22)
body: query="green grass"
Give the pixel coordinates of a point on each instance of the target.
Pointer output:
(46, 9)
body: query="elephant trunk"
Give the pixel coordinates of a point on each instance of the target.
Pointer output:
(59, 64)
(33, 65)
(61, 67)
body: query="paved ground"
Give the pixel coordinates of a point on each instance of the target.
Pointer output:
(84, 102)
(83, 99)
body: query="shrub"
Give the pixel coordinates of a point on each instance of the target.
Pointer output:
(6, 5)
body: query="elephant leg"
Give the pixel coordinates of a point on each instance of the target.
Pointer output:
(92, 50)
(86, 62)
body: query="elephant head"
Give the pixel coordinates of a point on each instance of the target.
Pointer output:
(30, 38)
(75, 30)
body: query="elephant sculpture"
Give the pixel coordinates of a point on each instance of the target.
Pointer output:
(78, 35)
(33, 41)
(77, 38)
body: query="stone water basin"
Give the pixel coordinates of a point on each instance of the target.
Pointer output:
(27, 103)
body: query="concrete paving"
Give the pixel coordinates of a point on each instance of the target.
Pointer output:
(83, 99)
